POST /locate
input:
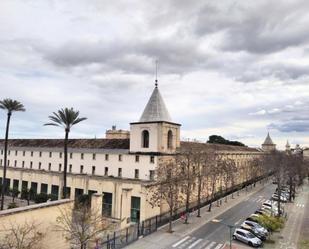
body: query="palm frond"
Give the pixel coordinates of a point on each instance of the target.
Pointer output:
(12, 105)
(65, 117)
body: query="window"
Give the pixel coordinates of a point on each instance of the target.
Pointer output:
(40, 165)
(9, 152)
(0, 164)
(31, 163)
(40, 154)
(135, 209)
(81, 169)
(23, 164)
(106, 171)
(49, 166)
(50, 154)
(136, 173)
(119, 158)
(15, 163)
(24, 153)
(152, 160)
(82, 156)
(60, 166)
(60, 154)
(93, 170)
(1, 152)
(145, 139)
(136, 158)
(71, 155)
(119, 172)
(170, 139)
(16, 152)
(31, 153)
(107, 204)
(70, 168)
(151, 174)
(93, 156)
(106, 157)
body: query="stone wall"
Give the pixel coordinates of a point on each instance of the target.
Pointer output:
(45, 215)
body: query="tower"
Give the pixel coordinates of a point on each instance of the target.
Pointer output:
(155, 132)
(287, 146)
(268, 144)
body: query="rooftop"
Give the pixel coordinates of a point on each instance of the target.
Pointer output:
(111, 144)
(155, 109)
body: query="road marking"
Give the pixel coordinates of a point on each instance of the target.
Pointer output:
(203, 244)
(210, 245)
(237, 222)
(219, 246)
(258, 200)
(181, 241)
(195, 243)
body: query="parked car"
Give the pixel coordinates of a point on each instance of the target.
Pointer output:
(269, 210)
(247, 237)
(256, 226)
(275, 197)
(254, 231)
(262, 212)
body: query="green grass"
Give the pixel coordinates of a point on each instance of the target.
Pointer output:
(303, 244)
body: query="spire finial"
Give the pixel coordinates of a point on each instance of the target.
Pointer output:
(156, 81)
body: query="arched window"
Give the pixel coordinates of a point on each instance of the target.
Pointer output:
(169, 139)
(145, 139)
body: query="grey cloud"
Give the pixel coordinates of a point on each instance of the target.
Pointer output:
(262, 27)
(291, 126)
(174, 56)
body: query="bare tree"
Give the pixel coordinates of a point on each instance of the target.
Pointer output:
(186, 160)
(27, 235)
(81, 225)
(214, 173)
(166, 189)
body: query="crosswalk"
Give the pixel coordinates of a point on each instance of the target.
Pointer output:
(189, 242)
(259, 200)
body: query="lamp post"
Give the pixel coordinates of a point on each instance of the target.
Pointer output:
(229, 226)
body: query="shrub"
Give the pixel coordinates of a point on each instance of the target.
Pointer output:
(41, 198)
(271, 223)
(12, 205)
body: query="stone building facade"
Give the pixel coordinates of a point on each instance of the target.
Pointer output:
(119, 167)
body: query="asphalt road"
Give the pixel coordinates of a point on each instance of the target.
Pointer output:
(214, 235)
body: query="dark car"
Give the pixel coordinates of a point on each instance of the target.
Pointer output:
(254, 231)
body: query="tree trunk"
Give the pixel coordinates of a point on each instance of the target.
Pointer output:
(5, 159)
(64, 192)
(199, 196)
(171, 214)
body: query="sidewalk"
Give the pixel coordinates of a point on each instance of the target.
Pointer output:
(289, 237)
(161, 239)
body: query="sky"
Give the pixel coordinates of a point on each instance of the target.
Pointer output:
(233, 68)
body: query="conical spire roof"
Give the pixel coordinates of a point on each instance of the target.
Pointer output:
(155, 109)
(268, 140)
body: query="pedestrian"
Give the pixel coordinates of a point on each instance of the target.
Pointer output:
(96, 244)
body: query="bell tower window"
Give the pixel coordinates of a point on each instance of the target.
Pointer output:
(145, 139)
(169, 139)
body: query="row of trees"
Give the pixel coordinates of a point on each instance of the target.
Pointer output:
(289, 170)
(65, 118)
(198, 173)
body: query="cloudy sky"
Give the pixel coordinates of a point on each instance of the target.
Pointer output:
(233, 68)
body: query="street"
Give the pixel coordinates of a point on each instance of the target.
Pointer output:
(215, 235)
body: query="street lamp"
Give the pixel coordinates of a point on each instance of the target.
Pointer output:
(229, 226)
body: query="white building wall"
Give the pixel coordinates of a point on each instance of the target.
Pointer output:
(128, 164)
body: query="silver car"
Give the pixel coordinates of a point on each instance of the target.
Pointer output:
(247, 237)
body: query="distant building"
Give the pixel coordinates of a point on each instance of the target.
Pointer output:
(268, 144)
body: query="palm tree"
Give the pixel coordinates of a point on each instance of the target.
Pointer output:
(65, 118)
(10, 106)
